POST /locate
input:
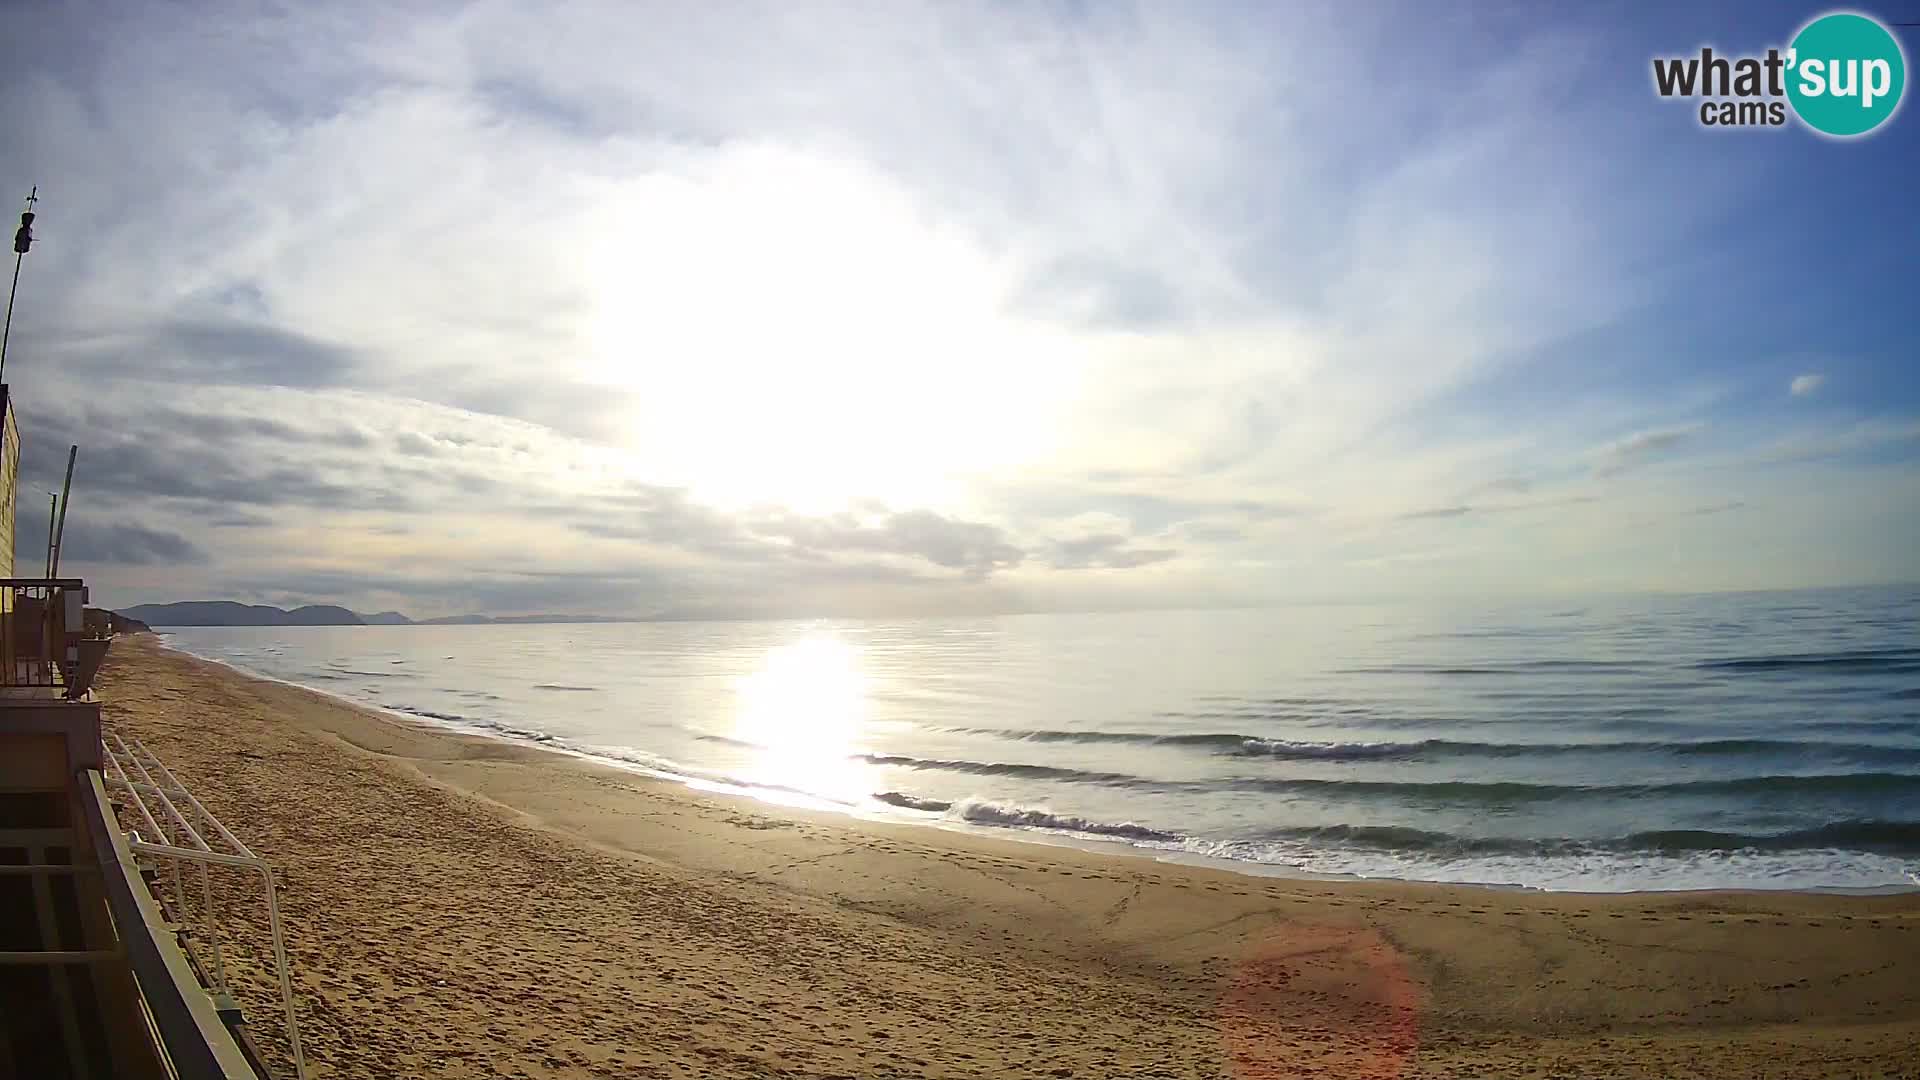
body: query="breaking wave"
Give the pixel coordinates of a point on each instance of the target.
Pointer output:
(986, 813)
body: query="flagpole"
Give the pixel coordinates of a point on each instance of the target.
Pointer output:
(22, 240)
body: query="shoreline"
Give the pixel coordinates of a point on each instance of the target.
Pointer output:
(459, 905)
(1049, 838)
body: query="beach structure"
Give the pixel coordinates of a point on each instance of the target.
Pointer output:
(102, 972)
(107, 967)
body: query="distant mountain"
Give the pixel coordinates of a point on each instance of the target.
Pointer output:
(491, 620)
(228, 613)
(115, 622)
(323, 615)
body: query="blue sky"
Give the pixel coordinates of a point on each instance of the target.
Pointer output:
(882, 308)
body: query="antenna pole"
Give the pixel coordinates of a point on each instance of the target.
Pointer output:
(22, 240)
(8, 332)
(60, 530)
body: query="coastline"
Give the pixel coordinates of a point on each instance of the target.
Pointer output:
(876, 813)
(881, 812)
(473, 906)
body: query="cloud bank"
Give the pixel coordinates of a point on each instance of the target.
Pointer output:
(722, 310)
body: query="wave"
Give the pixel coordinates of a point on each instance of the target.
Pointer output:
(1890, 837)
(909, 802)
(1448, 791)
(1237, 745)
(1260, 710)
(985, 813)
(1501, 792)
(1885, 837)
(1223, 740)
(1000, 768)
(376, 674)
(1650, 718)
(1872, 661)
(451, 718)
(1789, 746)
(1521, 667)
(563, 686)
(1225, 743)
(1897, 724)
(493, 727)
(727, 740)
(1868, 835)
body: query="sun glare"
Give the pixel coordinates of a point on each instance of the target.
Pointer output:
(796, 330)
(805, 708)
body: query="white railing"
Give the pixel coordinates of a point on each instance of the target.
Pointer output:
(153, 790)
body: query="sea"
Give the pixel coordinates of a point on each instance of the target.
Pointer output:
(1753, 740)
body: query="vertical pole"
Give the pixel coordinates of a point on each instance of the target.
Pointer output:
(22, 240)
(213, 931)
(7, 333)
(286, 981)
(60, 530)
(52, 511)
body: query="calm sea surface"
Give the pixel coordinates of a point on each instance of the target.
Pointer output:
(1755, 740)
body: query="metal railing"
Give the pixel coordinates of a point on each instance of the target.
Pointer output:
(185, 833)
(42, 628)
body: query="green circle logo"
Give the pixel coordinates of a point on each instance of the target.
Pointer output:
(1845, 74)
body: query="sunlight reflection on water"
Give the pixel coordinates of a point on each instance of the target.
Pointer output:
(806, 710)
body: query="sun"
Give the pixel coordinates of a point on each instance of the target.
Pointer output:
(796, 330)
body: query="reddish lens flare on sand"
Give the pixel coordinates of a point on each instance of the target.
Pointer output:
(1320, 1001)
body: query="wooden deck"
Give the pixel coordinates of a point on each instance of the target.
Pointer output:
(93, 983)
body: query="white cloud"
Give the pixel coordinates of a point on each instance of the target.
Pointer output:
(1640, 447)
(1864, 436)
(1802, 385)
(937, 256)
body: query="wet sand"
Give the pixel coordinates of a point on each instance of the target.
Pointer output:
(465, 907)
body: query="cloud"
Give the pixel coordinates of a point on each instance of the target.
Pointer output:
(775, 536)
(1109, 551)
(1507, 485)
(1119, 505)
(1462, 509)
(90, 540)
(922, 309)
(1639, 448)
(130, 471)
(1859, 438)
(1804, 385)
(1101, 295)
(975, 548)
(416, 444)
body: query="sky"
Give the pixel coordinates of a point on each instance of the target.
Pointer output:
(881, 309)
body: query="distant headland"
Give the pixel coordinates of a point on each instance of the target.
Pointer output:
(230, 613)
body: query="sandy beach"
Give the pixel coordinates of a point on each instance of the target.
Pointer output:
(465, 907)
